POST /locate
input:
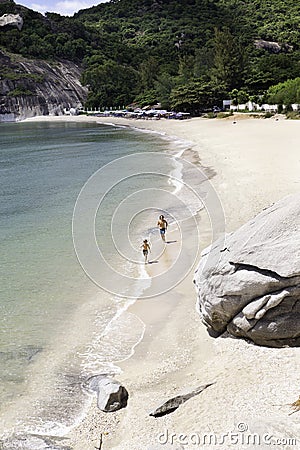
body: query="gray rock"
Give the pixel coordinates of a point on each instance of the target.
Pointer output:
(272, 47)
(111, 394)
(173, 403)
(253, 290)
(11, 19)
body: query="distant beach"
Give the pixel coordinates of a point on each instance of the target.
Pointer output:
(251, 164)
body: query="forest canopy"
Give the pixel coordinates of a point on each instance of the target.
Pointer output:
(186, 54)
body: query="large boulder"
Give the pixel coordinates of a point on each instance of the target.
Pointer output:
(14, 20)
(111, 394)
(252, 288)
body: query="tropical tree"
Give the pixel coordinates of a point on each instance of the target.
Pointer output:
(148, 70)
(110, 84)
(195, 97)
(238, 97)
(284, 93)
(228, 65)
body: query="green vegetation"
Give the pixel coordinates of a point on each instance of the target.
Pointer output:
(284, 93)
(224, 115)
(19, 92)
(186, 54)
(294, 115)
(268, 115)
(4, 73)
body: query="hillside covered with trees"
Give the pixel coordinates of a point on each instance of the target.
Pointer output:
(186, 54)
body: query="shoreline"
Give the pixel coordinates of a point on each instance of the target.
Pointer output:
(236, 138)
(176, 353)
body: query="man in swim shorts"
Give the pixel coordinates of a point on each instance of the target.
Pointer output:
(162, 225)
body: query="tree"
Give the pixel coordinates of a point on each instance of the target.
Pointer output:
(110, 84)
(285, 93)
(269, 69)
(146, 98)
(195, 97)
(228, 59)
(238, 96)
(163, 87)
(75, 49)
(186, 68)
(149, 70)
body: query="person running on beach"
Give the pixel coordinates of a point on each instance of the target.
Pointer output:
(146, 249)
(162, 225)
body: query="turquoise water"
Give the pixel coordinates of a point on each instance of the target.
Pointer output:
(57, 326)
(77, 199)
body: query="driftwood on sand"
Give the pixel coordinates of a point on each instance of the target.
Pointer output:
(295, 406)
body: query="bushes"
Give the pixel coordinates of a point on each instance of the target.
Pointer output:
(19, 92)
(293, 115)
(268, 115)
(223, 115)
(284, 93)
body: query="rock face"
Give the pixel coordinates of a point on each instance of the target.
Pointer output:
(11, 19)
(253, 291)
(111, 394)
(35, 88)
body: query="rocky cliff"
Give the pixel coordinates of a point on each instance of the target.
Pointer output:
(253, 291)
(34, 87)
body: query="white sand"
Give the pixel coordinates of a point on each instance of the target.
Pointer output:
(257, 162)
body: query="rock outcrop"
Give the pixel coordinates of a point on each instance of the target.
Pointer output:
(253, 290)
(14, 20)
(35, 88)
(272, 47)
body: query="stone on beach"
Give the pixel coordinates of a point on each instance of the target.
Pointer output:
(173, 403)
(111, 394)
(253, 290)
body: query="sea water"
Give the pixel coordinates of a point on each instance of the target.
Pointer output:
(60, 324)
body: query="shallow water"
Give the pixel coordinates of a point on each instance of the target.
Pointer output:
(57, 326)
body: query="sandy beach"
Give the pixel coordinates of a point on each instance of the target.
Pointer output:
(252, 163)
